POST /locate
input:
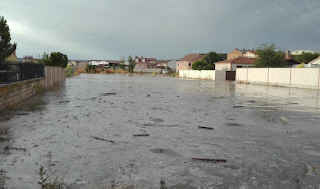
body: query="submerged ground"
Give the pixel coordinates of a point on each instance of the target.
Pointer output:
(83, 135)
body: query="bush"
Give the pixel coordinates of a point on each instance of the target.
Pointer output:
(55, 59)
(69, 71)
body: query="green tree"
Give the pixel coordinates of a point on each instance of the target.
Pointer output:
(201, 65)
(56, 59)
(132, 64)
(45, 59)
(6, 48)
(306, 57)
(208, 62)
(269, 56)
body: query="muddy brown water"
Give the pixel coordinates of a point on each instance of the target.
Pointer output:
(83, 134)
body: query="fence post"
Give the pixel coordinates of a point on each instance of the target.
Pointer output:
(247, 74)
(318, 78)
(268, 72)
(290, 81)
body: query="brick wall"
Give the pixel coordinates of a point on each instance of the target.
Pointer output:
(15, 93)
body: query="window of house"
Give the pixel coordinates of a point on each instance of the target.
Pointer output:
(189, 64)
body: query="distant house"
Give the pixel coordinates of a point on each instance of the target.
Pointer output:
(162, 64)
(236, 53)
(172, 65)
(250, 54)
(78, 64)
(30, 59)
(12, 58)
(237, 59)
(188, 60)
(145, 63)
(98, 62)
(82, 65)
(233, 64)
(103, 63)
(314, 63)
(289, 59)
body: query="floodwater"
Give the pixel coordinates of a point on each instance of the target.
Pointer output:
(123, 131)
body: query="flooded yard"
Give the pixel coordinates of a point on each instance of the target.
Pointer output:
(103, 131)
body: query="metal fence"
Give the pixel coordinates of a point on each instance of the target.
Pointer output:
(20, 71)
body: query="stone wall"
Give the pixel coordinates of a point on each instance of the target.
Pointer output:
(15, 93)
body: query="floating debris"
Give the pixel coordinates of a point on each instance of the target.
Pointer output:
(210, 160)
(7, 148)
(208, 128)
(22, 113)
(156, 120)
(109, 94)
(167, 152)
(234, 125)
(102, 139)
(64, 101)
(141, 135)
(238, 106)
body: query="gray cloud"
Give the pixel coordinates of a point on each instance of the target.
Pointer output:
(164, 29)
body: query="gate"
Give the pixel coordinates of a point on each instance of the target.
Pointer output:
(230, 75)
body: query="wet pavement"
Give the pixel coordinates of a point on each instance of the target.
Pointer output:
(104, 130)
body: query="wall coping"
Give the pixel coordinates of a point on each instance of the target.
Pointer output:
(21, 82)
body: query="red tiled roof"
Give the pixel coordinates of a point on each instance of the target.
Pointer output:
(240, 60)
(193, 57)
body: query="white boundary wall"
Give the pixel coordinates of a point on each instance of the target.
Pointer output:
(289, 77)
(203, 74)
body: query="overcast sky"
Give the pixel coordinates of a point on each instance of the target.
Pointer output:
(110, 29)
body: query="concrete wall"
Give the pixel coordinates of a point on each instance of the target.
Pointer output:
(53, 76)
(15, 93)
(203, 74)
(290, 77)
(223, 66)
